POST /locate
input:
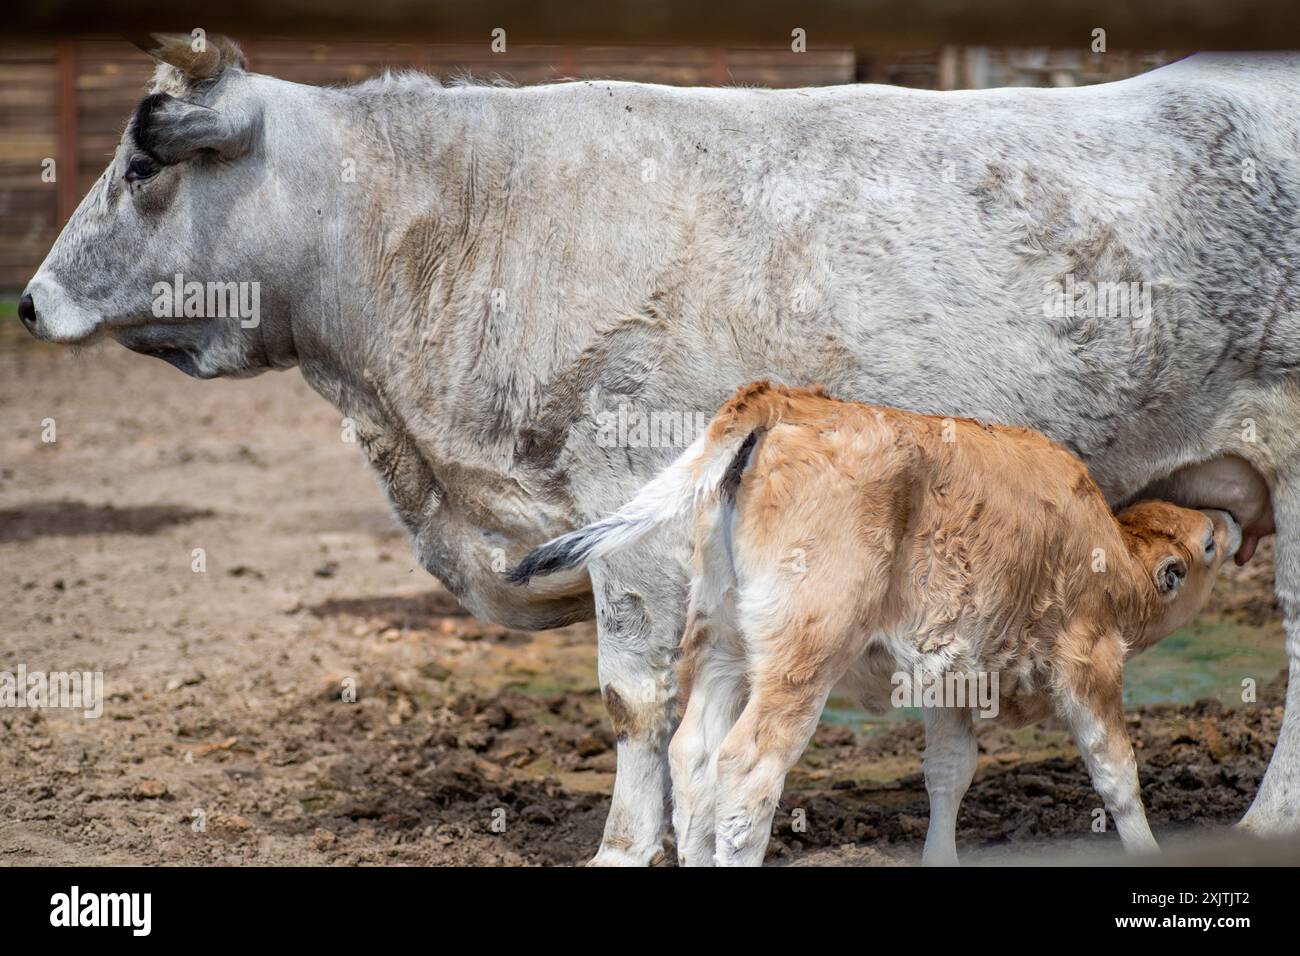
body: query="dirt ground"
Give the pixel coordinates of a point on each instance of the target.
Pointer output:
(225, 738)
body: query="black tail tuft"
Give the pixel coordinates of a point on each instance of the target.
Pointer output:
(731, 480)
(565, 552)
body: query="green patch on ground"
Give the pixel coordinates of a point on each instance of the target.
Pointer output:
(12, 334)
(550, 685)
(1208, 658)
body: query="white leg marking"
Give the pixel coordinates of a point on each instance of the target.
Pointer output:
(716, 700)
(1108, 755)
(950, 756)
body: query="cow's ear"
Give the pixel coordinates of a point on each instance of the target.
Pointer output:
(1171, 572)
(172, 130)
(195, 57)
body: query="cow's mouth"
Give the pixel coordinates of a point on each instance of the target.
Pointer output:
(161, 342)
(173, 355)
(179, 358)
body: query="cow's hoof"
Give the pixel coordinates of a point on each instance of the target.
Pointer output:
(1265, 825)
(627, 856)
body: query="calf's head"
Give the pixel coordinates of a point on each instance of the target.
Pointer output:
(178, 250)
(1180, 551)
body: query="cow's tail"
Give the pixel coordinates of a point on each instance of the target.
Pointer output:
(711, 467)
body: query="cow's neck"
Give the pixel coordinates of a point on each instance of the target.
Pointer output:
(407, 339)
(406, 307)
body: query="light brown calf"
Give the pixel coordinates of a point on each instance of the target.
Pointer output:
(841, 543)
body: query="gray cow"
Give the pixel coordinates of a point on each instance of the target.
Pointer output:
(503, 287)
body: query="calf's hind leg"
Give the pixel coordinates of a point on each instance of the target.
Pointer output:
(713, 678)
(802, 633)
(766, 741)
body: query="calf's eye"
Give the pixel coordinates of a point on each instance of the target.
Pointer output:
(140, 167)
(1209, 548)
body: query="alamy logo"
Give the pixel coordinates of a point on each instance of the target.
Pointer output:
(103, 909)
(83, 690)
(1097, 300)
(977, 690)
(633, 428)
(179, 299)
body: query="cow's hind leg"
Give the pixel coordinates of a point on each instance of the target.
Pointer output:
(950, 757)
(639, 617)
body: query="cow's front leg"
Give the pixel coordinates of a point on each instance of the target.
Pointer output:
(1276, 808)
(639, 618)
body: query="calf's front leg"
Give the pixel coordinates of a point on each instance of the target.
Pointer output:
(1095, 716)
(950, 756)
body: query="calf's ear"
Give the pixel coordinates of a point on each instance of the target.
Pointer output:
(172, 130)
(1170, 573)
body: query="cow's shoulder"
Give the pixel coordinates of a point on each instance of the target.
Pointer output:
(1219, 100)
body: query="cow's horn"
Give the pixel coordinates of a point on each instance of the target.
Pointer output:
(197, 56)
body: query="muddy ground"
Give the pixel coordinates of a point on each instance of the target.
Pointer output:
(225, 738)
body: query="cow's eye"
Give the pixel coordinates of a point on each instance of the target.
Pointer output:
(140, 167)
(1209, 548)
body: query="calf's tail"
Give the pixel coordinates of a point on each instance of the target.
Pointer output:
(710, 467)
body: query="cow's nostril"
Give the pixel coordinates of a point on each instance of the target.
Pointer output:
(27, 311)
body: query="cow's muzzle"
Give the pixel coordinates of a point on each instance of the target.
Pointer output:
(47, 312)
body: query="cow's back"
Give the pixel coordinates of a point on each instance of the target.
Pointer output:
(903, 247)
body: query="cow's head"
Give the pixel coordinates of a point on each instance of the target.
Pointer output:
(179, 232)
